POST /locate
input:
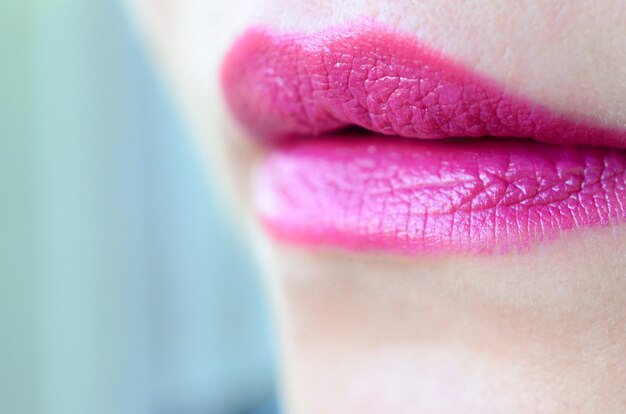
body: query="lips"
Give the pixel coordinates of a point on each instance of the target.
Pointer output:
(391, 190)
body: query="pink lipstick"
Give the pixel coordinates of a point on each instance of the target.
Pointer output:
(383, 191)
(413, 197)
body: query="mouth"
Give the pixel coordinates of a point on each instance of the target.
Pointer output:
(377, 142)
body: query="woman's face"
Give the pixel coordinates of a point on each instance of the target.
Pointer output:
(485, 276)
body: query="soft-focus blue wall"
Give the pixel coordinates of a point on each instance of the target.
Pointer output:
(122, 288)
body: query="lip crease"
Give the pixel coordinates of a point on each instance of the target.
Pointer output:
(390, 193)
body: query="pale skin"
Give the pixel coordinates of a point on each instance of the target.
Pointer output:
(542, 331)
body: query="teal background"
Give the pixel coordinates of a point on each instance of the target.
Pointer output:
(122, 287)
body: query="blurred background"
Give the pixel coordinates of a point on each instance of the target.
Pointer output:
(123, 289)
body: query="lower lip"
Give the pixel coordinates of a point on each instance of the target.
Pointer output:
(421, 197)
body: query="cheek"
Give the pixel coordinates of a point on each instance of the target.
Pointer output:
(158, 17)
(192, 28)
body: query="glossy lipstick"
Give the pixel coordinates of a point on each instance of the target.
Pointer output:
(413, 197)
(387, 192)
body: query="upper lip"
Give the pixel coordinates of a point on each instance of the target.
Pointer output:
(284, 85)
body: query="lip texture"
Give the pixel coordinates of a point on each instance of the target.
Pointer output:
(411, 196)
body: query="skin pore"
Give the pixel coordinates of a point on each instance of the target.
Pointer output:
(543, 331)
